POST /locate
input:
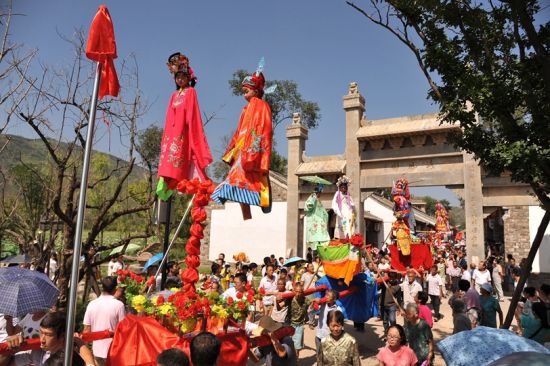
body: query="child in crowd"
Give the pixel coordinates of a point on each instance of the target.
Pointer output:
(424, 311)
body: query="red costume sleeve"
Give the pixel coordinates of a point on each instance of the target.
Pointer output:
(197, 138)
(256, 154)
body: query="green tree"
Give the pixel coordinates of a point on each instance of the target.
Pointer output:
(488, 68)
(148, 146)
(285, 101)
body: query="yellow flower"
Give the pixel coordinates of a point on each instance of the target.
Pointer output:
(138, 302)
(220, 311)
(165, 308)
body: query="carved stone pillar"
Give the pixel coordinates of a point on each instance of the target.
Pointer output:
(296, 135)
(354, 105)
(473, 209)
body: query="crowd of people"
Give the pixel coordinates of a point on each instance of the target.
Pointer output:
(408, 303)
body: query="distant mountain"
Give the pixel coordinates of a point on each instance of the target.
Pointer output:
(33, 151)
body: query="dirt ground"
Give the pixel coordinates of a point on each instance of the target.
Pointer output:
(370, 340)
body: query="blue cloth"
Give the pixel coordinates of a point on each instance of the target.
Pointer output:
(24, 291)
(360, 306)
(484, 345)
(226, 192)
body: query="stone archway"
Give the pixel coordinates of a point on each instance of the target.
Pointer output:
(379, 151)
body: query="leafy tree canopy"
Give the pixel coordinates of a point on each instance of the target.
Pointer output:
(488, 67)
(285, 101)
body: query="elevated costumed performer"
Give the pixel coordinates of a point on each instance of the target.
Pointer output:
(249, 151)
(184, 151)
(344, 208)
(316, 220)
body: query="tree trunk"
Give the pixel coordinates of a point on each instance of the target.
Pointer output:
(525, 272)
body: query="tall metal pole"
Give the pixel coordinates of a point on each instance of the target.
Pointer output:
(71, 306)
(166, 241)
(178, 229)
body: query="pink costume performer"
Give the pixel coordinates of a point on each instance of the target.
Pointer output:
(184, 151)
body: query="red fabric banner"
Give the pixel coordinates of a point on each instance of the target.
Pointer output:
(139, 340)
(421, 255)
(101, 47)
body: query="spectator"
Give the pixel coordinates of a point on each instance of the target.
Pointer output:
(240, 287)
(455, 273)
(536, 327)
(396, 352)
(424, 311)
(103, 313)
(338, 348)
(283, 275)
(110, 267)
(498, 278)
(323, 327)
(281, 261)
(58, 359)
(465, 273)
(52, 267)
(205, 349)
(279, 352)
(269, 284)
(29, 325)
(390, 305)
(215, 276)
(252, 269)
(435, 290)
(298, 316)
(489, 307)
(410, 288)
(52, 341)
(461, 321)
(472, 300)
(280, 311)
(308, 279)
(172, 357)
(481, 275)
(118, 265)
(544, 296)
(419, 335)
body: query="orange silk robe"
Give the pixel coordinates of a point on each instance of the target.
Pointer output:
(249, 154)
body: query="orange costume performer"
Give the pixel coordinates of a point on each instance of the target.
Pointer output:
(184, 151)
(249, 153)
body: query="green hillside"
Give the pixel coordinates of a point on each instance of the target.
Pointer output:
(33, 151)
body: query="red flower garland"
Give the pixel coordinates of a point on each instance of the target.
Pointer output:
(202, 191)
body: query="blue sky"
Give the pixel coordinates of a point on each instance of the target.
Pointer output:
(322, 45)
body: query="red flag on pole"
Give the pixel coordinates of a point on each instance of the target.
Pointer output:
(101, 47)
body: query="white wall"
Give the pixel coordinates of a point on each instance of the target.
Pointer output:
(263, 235)
(378, 210)
(542, 259)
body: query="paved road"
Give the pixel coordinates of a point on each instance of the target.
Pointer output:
(370, 342)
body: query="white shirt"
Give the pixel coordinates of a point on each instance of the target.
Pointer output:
(269, 286)
(434, 283)
(466, 276)
(52, 268)
(103, 313)
(3, 332)
(116, 267)
(230, 292)
(322, 328)
(410, 291)
(481, 277)
(110, 271)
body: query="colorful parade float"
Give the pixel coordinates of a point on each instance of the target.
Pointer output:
(407, 249)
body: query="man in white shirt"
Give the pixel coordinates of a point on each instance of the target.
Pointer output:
(465, 273)
(110, 271)
(118, 265)
(240, 286)
(269, 284)
(410, 288)
(103, 313)
(480, 276)
(435, 291)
